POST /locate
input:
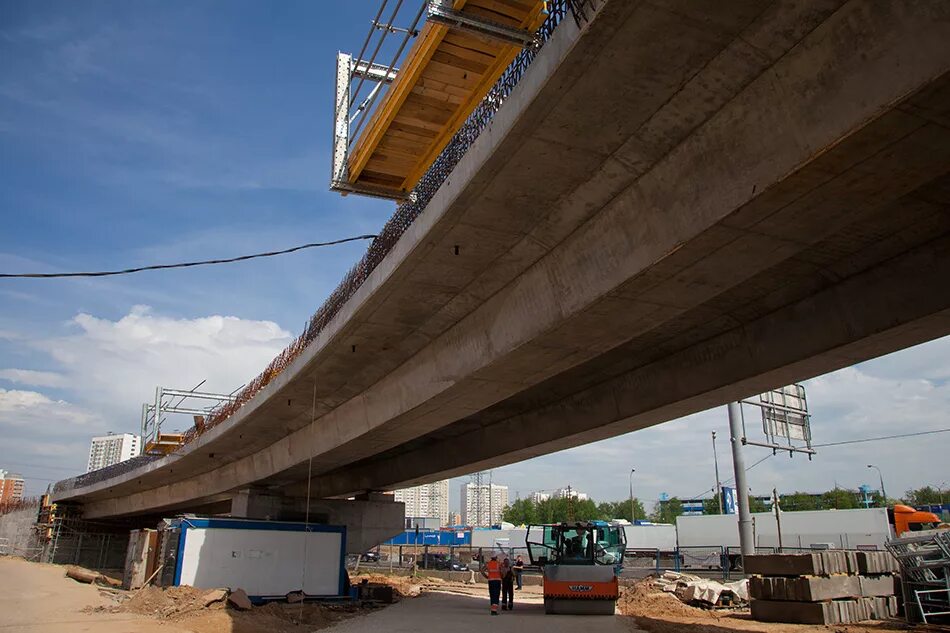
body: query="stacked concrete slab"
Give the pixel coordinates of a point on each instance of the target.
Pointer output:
(826, 587)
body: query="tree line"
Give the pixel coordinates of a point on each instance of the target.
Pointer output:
(557, 510)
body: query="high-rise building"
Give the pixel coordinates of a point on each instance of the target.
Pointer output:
(11, 486)
(455, 518)
(106, 450)
(427, 500)
(483, 505)
(538, 497)
(564, 493)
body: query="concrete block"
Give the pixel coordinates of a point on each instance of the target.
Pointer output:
(809, 564)
(791, 612)
(876, 585)
(814, 589)
(806, 588)
(829, 612)
(870, 563)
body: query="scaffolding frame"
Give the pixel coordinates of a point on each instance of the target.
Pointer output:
(153, 414)
(925, 575)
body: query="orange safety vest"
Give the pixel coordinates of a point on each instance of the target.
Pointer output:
(493, 567)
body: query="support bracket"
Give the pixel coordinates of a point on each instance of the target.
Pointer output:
(442, 14)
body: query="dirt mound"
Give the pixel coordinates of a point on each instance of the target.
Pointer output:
(643, 599)
(404, 586)
(168, 602)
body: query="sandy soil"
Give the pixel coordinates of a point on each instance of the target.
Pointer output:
(38, 598)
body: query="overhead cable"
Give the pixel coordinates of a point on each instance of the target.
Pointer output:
(207, 262)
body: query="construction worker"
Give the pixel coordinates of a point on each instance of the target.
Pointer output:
(492, 571)
(507, 586)
(518, 568)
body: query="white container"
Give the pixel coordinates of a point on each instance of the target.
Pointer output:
(266, 559)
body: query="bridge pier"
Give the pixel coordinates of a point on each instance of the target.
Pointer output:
(369, 519)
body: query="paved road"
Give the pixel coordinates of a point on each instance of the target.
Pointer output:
(468, 613)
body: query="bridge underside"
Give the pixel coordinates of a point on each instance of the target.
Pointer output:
(679, 206)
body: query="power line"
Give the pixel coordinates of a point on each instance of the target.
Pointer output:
(886, 437)
(748, 468)
(842, 443)
(207, 262)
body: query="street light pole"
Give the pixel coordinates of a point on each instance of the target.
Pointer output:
(746, 537)
(883, 494)
(633, 509)
(716, 462)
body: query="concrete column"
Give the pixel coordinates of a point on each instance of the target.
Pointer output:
(256, 503)
(369, 520)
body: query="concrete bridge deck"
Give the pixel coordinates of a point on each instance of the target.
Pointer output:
(679, 205)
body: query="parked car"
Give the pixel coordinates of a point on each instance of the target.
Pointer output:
(369, 557)
(441, 562)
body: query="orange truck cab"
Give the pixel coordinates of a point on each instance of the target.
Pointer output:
(906, 519)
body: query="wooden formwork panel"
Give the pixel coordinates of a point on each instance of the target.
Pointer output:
(444, 77)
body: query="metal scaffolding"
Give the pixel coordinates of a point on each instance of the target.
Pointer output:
(925, 575)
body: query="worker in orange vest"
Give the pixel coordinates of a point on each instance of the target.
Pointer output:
(492, 571)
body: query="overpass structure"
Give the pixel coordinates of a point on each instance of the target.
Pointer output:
(677, 205)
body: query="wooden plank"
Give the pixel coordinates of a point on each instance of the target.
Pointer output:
(468, 53)
(416, 60)
(463, 40)
(457, 61)
(532, 22)
(445, 76)
(435, 93)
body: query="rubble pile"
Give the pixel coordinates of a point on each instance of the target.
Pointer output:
(704, 592)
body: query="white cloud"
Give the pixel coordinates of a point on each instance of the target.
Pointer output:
(31, 409)
(116, 365)
(33, 377)
(108, 368)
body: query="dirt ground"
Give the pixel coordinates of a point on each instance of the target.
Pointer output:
(38, 598)
(657, 612)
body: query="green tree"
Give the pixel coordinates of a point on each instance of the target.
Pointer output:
(522, 511)
(610, 510)
(711, 506)
(798, 501)
(928, 495)
(667, 511)
(840, 499)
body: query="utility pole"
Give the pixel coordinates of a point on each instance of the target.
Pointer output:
(778, 517)
(633, 509)
(883, 494)
(746, 542)
(716, 462)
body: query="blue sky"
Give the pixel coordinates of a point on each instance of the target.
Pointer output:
(149, 132)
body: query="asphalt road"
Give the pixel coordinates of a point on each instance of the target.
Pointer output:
(468, 612)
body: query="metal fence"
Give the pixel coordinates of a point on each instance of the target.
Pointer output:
(434, 557)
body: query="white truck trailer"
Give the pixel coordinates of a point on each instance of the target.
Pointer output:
(701, 539)
(843, 529)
